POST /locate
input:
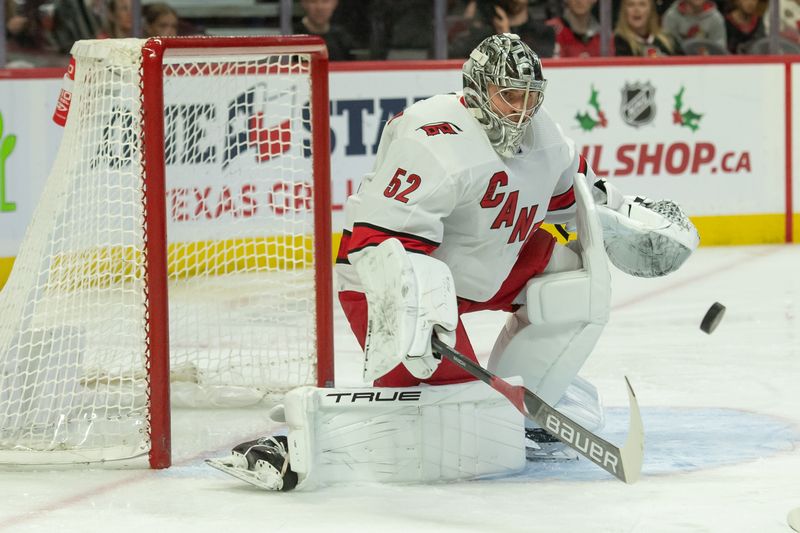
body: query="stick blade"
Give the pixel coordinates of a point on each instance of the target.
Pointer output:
(632, 453)
(793, 519)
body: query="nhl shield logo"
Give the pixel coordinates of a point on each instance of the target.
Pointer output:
(638, 103)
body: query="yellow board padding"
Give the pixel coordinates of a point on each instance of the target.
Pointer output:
(109, 265)
(337, 238)
(742, 229)
(731, 229)
(5, 269)
(261, 254)
(105, 266)
(796, 228)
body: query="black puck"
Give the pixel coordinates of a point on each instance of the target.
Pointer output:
(713, 317)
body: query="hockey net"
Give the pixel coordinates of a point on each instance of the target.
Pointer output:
(233, 240)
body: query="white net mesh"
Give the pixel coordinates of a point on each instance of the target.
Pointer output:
(73, 347)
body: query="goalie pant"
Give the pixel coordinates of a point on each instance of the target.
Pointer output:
(532, 260)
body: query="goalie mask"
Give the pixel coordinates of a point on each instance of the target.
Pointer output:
(503, 88)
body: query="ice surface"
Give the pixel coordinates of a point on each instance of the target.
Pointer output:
(721, 415)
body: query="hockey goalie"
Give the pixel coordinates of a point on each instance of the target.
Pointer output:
(448, 224)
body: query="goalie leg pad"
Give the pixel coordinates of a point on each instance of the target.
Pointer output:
(547, 357)
(413, 434)
(548, 339)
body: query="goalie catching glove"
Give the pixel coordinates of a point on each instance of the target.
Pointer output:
(646, 238)
(409, 295)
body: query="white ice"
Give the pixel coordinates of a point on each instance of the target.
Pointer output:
(721, 415)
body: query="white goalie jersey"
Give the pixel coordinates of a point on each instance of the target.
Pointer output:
(440, 188)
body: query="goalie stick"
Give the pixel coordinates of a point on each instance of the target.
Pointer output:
(623, 463)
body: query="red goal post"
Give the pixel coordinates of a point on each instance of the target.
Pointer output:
(183, 238)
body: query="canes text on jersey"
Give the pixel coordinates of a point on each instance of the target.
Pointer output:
(509, 216)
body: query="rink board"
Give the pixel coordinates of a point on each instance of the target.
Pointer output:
(714, 135)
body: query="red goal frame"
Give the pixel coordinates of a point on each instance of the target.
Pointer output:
(154, 173)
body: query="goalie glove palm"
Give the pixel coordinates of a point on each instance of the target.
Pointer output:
(646, 238)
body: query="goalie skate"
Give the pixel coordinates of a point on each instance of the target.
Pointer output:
(263, 462)
(542, 446)
(582, 403)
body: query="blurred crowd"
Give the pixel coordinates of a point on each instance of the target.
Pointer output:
(41, 32)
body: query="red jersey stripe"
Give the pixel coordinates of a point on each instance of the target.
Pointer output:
(582, 166)
(344, 247)
(368, 235)
(562, 201)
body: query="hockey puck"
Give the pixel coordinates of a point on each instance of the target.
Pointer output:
(713, 317)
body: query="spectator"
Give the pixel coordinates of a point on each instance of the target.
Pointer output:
(160, 20)
(401, 30)
(695, 19)
(577, 30)
(789, 27)
(660, 5)
(19, 39)
(744, 25)
(72, 20)
(99, 8)
(356, 17)
(119, 20)
(663, 5)
(460, 14)
(506, 16)
(15, 23)
(24, 30)
(638, 32)
(317, 21)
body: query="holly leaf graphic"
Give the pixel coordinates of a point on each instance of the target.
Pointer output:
(691, 119)
(1, 125)
(679, 99)
(585, 122)
(593, 100)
